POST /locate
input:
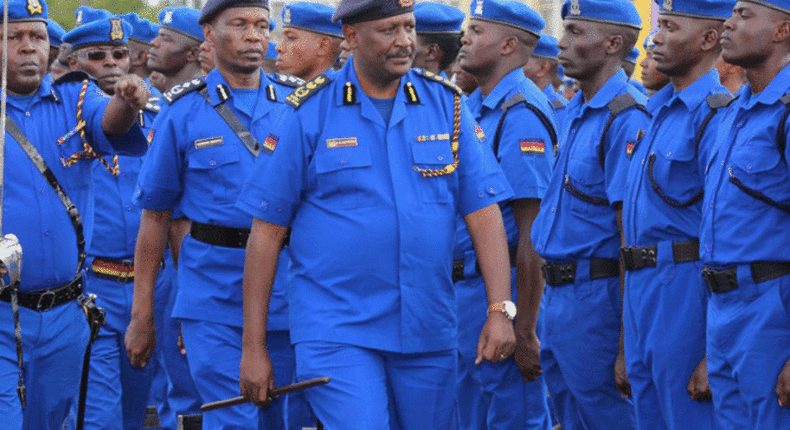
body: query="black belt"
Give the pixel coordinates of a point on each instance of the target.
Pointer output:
(636, 258)
(558, 274)
(459, 265)
(45, 300)
(220, 236)
(722, 281)
(113, 269)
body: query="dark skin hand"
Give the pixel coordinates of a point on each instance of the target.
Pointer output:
(698, 387)
(783, 386)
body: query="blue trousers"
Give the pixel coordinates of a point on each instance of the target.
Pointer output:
(748, 344)
(378, 390)
(117, 391)
(54, 345)
(664, 320)
(492, 395)
(579, 346)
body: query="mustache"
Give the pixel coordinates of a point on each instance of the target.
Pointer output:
(405, 52)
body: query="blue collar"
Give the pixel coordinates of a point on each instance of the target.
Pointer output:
(692, 96)
(772, 93)
(215, 78)
(611, 89)
(348, 74)
(505, 86)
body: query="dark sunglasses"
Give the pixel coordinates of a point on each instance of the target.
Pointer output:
(101, 54)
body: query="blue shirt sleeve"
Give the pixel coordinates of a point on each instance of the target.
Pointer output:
(133, 142)
(524, 153)
(160, 184)
(624, 131)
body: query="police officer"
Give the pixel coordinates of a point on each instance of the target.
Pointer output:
(438, 36)
(206, 57)
(201, 151)
(86, 14)
(310, 42)
(665, 299)
(744, 236)
(143, 32)
(542, 69)
(629, 65)
(369, 171)
(463, 79)
(55, 32)
(733, 77)
(652, 79)
(576, 231)
(519, 123)
(53, 336)
(117, 389)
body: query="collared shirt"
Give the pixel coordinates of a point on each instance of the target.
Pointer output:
(553, 95)
(31, 209)
(371, 238)
(666, 177)
(577, 219)
(737, 227)
(525, 149)
(197, 164)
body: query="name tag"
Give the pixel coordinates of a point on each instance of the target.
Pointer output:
(342, 142)
(209, 142)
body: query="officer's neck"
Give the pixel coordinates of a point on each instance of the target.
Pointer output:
(760, 75)
(697, 71)
(240, 78)
(379, 87)
(590, 85)
(190, 70)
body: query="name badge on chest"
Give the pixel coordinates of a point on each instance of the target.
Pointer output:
(209, 142)
(342, 142)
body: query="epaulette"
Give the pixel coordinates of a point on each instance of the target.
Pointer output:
(557, 105)
(437, 78)
(304, 92)
(152, 105)
(183, 89)
(720, 100)
(621, 103)
(287, 80)
(75, 76)
(512, 101)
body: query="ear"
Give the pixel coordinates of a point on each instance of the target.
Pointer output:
(509, 44)
(208, 33)
(351, 35)
(73, 63)
(193, 53)
(324, 45)
(782, 32)
(710, 39)
(544, 69)
(614, 44)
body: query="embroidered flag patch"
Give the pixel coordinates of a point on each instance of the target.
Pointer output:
(629, 149)
(342, 142)
(479, 132)
(150, 136)
(270, 143)
(533, 147)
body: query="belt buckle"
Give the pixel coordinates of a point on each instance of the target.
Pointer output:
(626, 253)
(544, 268)
(40, 307)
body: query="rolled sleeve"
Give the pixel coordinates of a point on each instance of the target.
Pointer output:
(160, 184)
(522, 153)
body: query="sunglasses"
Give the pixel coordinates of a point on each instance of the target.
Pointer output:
(101, 54)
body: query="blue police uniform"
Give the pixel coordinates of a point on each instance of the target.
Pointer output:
(547, 49)
(197, 164)
(372, 302)
(744, 225)
(665, 298)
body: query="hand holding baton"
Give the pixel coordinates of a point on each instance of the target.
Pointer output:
(274, 393)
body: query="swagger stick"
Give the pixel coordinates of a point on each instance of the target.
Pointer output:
(274, 393)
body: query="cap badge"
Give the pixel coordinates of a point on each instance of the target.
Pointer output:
(116, 31)
(576, 9)
(406, 3)
(668, 5)
(479, 7)
(34, 7)
(287, 15)
(79, 17)
(168, 18)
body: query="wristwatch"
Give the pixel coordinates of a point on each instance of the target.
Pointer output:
(506, 307)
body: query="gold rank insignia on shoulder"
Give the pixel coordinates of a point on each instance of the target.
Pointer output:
(438, 78)
(342, 142)
(34, 7)
(299, 95)
(349, 94)
(209, 142)
(433, 137)
(116, 29)
(411, 93)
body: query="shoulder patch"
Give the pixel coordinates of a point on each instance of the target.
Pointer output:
(437, 78)
(75, 76)
(287, 80)
(183, 89)
(304, 92)
(152, 105)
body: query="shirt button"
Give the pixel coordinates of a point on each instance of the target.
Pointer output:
(490, 190)
(540, 247)
(139, 193)
(440, 158)
(748, 166)
(343, 160)
(669, 154)
(643, 161)
(740, 124)
(264, 205)
(129, 208)
(212, 163)
(41, 190)
(47, 233)
(480, 194)
(27, 114)
(279, 209)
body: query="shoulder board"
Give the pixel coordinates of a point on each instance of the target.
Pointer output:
(717, 101)
(287, 80)
(557, 105)
(512, 101)
(152, 105)
(183, 89)
(621, 103)
(437, 78)
(304, 92)
(75, 76)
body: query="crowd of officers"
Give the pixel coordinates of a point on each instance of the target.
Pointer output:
(485, 228)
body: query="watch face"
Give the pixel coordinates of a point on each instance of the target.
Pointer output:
(510, 309)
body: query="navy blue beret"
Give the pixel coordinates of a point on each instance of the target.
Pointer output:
(353, 11)
(314, 17)
(649, 45)
(143, 30)
(271, 51)
(108, 31)
(86, 14)
(272, 25)
(438, 18)
(212, 8)
(26, 10)
(511, 13)
(617, 12)
(705, 9)
(182, 20)
(55, 32)
(780, 5)
(547, 47)
(633, 55)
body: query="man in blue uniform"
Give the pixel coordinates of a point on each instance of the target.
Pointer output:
(519, 124)
(652, 79)
(438, 36)
(202, 149)
(311, 41)
(665, 298)
(629, 65)
(369, 172)
(55, 32)
(542, 69)
(745, 214)
(576, 231)
(53, 337)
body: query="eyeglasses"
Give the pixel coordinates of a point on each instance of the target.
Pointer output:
(101, 54)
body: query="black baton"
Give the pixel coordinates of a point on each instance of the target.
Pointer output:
(274, 393)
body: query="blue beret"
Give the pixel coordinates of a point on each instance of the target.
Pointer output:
(313, 17)
(143, 30)
(108, 31)
(511, 13)
(55, 32)
(780, 5)
(547, 47)
(438, 18)
(617, 12)
(26, 10)
(353, 11)
(86, 14)
(633, 55)
(561, 71)
(649, 45)
(213, 8)
(272, 25)
(182, 20)
(705, 9)
(271, 51)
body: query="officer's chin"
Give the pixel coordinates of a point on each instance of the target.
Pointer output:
(25, 84)
(399, 66)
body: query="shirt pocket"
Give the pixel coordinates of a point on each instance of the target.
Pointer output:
(433, 155)
(344, 176)
(584, 181)
(674, 175)
(759, 166)
(216, 172)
